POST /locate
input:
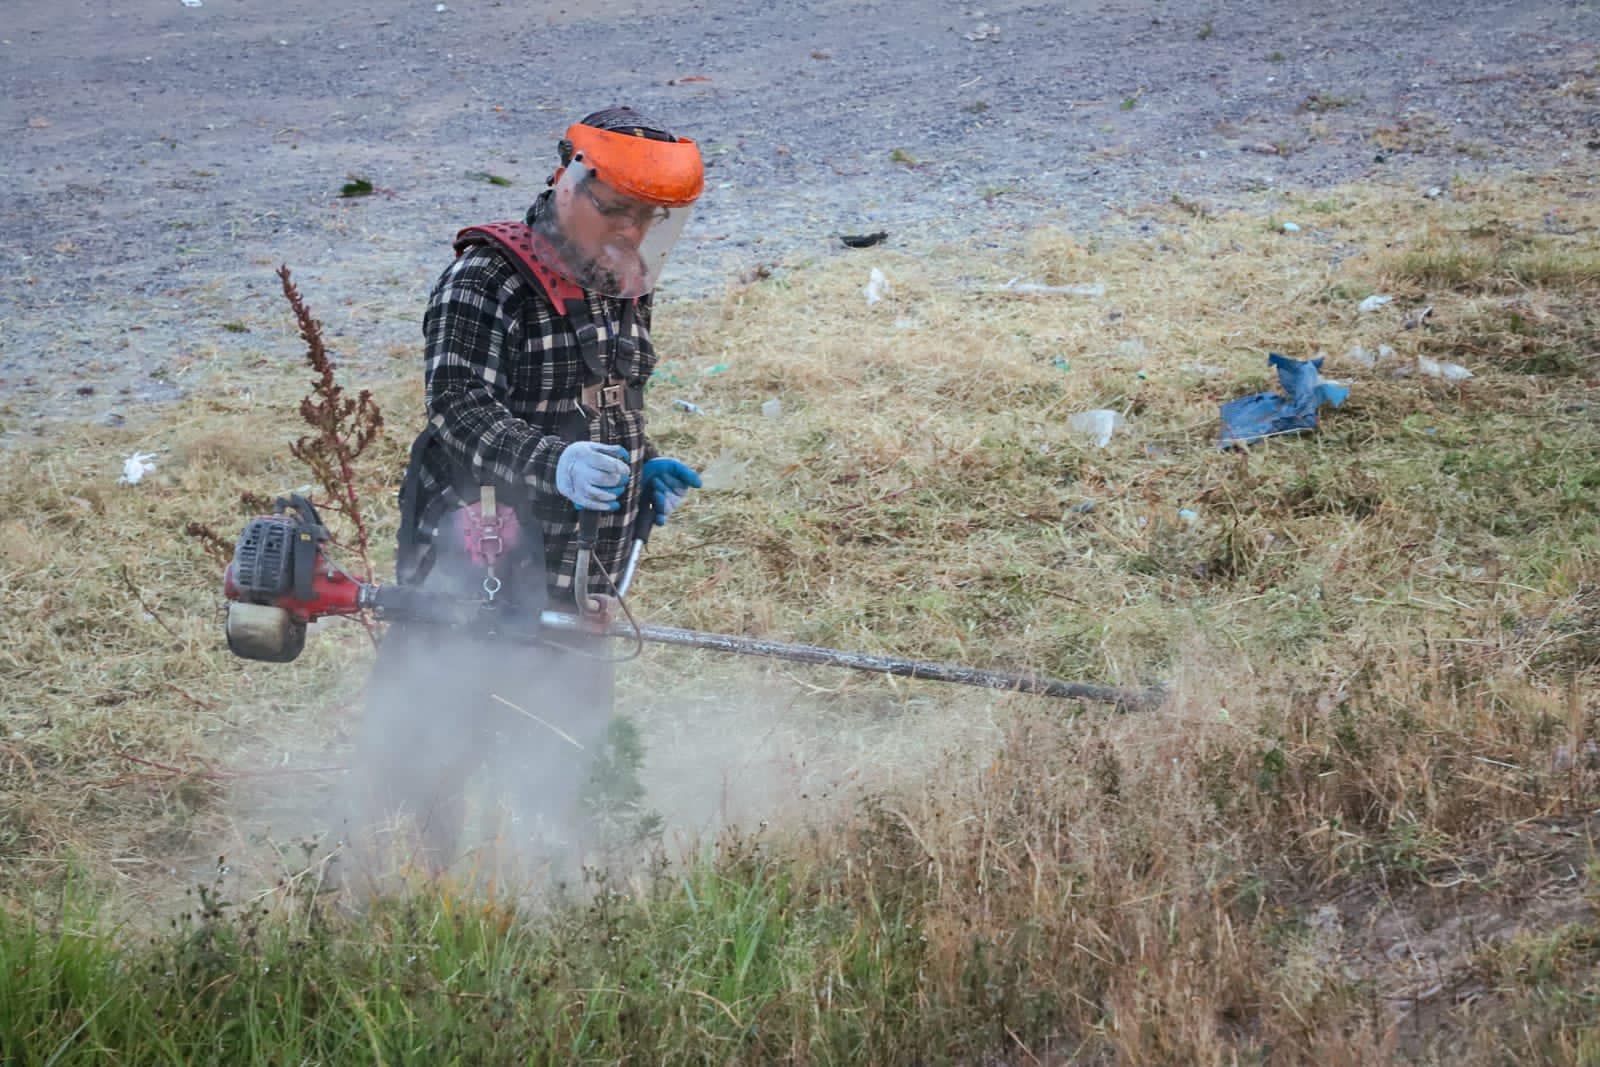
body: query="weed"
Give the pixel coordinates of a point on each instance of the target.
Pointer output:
(614, 795)
(344, 428)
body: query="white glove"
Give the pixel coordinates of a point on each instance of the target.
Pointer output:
(592, 476)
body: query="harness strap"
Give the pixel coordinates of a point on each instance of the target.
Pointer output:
(491, 527)
(612, 394)
(529, 253)
(409, 545)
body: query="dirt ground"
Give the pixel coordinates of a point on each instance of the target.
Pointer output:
(162, 159)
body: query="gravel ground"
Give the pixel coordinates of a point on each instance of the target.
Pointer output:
(163, 159)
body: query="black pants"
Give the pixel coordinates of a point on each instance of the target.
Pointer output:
(451, 713)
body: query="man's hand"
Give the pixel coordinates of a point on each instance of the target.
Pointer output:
(592, 476)
(667, 480)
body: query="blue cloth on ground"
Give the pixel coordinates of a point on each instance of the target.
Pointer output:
(1250, 418)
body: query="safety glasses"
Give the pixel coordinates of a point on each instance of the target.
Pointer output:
(619, 211)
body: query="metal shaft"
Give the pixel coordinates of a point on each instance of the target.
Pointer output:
(1126, 699)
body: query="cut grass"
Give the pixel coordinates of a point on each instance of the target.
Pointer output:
(1379, 640)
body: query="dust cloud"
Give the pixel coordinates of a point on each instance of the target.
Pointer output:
(501, 765)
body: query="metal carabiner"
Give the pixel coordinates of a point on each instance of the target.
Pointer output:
(491, 586)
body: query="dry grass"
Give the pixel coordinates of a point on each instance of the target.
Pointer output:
(1381, 638)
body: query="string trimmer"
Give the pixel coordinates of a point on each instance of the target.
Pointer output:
(282, 579)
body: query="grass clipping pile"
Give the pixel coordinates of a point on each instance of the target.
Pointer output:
(1358, 826)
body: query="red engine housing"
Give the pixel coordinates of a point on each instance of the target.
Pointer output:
(333, 592)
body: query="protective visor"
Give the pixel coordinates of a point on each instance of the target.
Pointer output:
(666, 173)
(607, 242)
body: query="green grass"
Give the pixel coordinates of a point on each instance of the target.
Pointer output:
(725, 959)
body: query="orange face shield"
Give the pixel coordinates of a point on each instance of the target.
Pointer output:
(665, 173)
(617, 206)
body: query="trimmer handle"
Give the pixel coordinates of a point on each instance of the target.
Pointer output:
(588, 527)
(588, 531)
(646, 520)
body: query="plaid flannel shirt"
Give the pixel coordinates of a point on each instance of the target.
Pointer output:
(504, 375)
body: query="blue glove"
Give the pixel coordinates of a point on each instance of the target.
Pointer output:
(667, 480)
(592, 476)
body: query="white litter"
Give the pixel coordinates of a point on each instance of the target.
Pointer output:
(1291, 227)
(724, 472)
(1189, 517)
(1017, 285)
(1360, 355)
(772, 408)
(1385, 352)
(1373, 302)
(192, 3)
(1097, 425)
(877, 288)
(136, 467)
(1450, 372)
(684, 405)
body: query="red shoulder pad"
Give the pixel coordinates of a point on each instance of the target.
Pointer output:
(529, 252)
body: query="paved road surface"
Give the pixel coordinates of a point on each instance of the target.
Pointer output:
(162, 159)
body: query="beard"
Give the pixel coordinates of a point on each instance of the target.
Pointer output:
(617, 271)
(611, 270)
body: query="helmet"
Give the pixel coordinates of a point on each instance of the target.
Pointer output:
(618, 202)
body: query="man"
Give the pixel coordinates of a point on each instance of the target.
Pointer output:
(537, 352)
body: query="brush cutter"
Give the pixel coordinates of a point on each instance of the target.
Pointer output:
(282, 579)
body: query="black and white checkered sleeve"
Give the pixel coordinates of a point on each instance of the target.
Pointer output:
(470, 333)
